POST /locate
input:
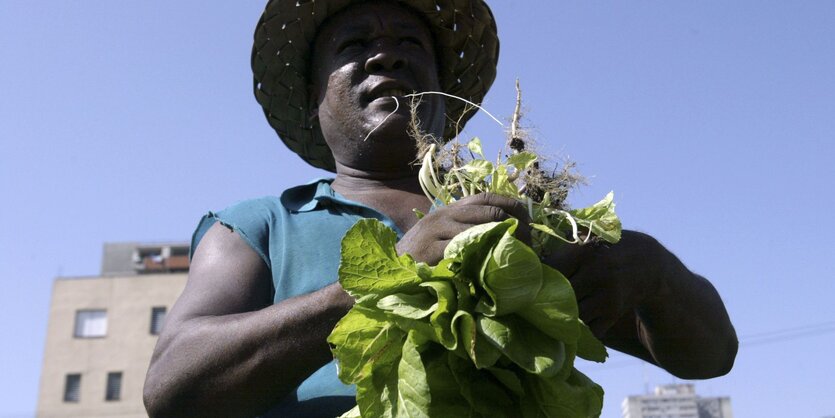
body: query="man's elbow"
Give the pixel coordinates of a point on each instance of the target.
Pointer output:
(727, 353)
(710, 364)
(160, 397)
(153, 395)
(731, 349)
(152, 404)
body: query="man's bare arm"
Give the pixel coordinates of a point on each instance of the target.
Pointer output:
(640, 299)
(225, 349)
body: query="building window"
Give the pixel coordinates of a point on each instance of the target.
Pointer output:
(72, 388)
(113, 392)
(91, 323)
(157, 319)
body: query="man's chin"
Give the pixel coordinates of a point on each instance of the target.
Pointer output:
(386, 159)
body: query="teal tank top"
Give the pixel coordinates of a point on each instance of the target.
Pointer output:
(298, 236)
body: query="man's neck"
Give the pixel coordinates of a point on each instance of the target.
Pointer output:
(394, 194)
(350, 181)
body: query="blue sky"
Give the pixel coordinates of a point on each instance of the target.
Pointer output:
(713, 122)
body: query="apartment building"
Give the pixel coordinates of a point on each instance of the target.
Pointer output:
(102, 331)
(676, 401)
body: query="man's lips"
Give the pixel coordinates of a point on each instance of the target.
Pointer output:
(391, 92)
(388, 89)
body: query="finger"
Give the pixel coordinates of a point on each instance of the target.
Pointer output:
(598, 313)
(513, 207)
(510, 208)
(567, 259)
(478, 214)
(581, 293)
(586, 314)
(461, 218)
(435, 252)
(599, 327)
(523, 233)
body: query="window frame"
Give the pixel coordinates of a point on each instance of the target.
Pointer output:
(76, 378)
(78, 330)
(113, 379)
(159, 323)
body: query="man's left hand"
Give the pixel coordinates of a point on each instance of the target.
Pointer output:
(612, 280)
(638, 298)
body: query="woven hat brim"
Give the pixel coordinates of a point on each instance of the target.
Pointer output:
(467, 45)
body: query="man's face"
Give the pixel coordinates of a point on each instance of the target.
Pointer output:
(362, 57)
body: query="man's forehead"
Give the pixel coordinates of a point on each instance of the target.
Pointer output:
(367, 18)
(368, 27)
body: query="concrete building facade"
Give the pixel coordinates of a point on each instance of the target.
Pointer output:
(676, 401)
(102, 331)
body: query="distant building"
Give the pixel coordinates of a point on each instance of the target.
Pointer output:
(676, 401)
(102, 331)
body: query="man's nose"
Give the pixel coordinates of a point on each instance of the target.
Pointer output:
(385, 57)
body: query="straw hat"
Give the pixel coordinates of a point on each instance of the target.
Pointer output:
(466, 43)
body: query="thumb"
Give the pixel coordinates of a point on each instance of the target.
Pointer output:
(567, 258)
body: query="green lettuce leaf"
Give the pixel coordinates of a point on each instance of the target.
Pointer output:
(575, 397)
(475, 147)
(472, 343)
(444, 392)
(509, 379)
(589, 347)
(441, 319)
(370, 263)
(485, 395)
(414, 306)
(511, 278)
(601, 219)
(474, 245)
(478, 170)
(554, 311)
(523, 344)
(364, 340)
(377, 395)
(522, 160)
(413, 389)
(501, 184)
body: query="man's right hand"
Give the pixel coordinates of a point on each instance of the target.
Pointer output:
(429, 237)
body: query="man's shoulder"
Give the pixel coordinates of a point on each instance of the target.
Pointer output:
(291, 199)
(259, 204)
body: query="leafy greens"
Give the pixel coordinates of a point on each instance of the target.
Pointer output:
(489, 331)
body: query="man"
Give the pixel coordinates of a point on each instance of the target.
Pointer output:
(248, 335)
